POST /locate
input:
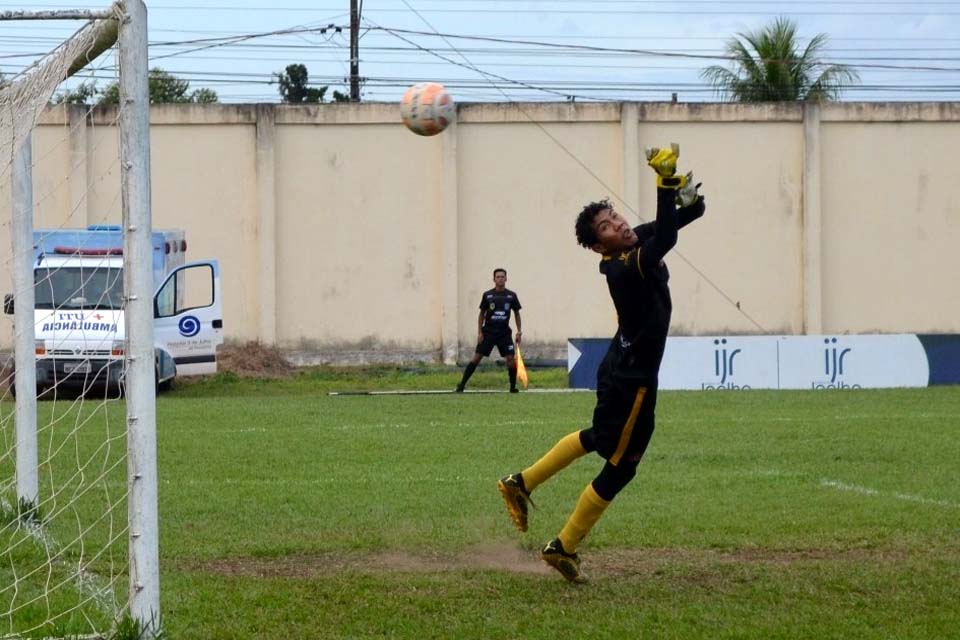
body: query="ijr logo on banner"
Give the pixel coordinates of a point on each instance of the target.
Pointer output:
(723, 361)
(833, 357)
(731, 363)
(849, 362)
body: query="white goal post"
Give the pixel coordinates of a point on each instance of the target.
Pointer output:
(22, 101)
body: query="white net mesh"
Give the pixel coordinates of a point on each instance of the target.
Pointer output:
(63, 558)
(24, 98)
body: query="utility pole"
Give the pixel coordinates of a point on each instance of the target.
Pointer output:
(354, 52)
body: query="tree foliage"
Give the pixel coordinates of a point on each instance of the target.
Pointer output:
(294, 89)
(769, 66)
(164, 88)
(85, 93)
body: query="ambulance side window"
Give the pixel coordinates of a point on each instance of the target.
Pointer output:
(189, 288)
(195, 288)
(166, 298)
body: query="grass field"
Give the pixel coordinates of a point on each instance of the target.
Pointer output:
(288, 513)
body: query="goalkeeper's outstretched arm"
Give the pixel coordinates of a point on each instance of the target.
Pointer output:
(685, 215)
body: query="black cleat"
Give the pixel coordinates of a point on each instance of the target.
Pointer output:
(514, 390)
(459, 389)
(568, 564)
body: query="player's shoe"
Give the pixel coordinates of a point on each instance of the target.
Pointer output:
(568, 564)
(459, 389)
(517, 498)
(514, 390)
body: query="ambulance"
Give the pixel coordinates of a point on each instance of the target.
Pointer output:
(78, 309)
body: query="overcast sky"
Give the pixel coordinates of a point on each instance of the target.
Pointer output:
(630, 49)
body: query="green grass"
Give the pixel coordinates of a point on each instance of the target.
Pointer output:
(326, 379)
(62, 560)
(289, 513)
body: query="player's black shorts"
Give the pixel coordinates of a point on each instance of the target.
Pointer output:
(502, 341)
(623, 420)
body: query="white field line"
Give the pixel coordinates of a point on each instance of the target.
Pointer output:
(86, 583)
(838, 418)
(867, 491)
(666, 420)
(771, 473)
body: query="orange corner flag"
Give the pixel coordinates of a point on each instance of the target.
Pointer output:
(521, 370)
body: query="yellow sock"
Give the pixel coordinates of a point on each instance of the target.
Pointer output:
(563, 453)
(589, 508)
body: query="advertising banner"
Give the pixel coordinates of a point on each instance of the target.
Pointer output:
(824, 362)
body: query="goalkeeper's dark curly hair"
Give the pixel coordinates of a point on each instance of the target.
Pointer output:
(586, 236)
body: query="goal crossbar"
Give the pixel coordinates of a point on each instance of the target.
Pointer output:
(60, 14)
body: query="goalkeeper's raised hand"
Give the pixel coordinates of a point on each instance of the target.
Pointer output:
(664, 162)
(688, 194)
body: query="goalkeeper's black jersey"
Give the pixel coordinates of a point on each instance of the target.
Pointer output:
(638, 281)
(496, 306)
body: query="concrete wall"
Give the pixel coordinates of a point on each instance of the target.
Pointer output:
(344, 237)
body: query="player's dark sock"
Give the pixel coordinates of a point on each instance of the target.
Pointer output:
(467, 373)
(512, 371)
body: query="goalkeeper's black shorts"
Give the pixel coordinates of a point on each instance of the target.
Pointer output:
(623, 420)
(502, 341)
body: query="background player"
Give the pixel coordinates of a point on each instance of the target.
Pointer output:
(493, 328)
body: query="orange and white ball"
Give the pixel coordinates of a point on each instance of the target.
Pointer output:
(427, 109)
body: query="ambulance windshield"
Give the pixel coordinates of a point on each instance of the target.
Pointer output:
(78, 288)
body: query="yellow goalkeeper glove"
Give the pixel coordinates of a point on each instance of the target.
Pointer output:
(664, 162)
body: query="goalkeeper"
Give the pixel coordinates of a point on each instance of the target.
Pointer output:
(623, 420)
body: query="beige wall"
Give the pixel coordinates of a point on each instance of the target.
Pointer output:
(748, 246)
(891, 262)
(343, 236)
(519, 195)
(358, 210)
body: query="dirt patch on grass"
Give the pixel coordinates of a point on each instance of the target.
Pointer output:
(253, 360)
(496, 557)
(690, 565)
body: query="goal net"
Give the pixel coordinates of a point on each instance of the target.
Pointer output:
(64, 528)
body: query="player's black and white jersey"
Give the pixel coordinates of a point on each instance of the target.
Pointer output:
(496, 307)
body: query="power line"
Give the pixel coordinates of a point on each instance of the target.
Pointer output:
(614, 59)
(209, 43)
(592, 10)
(561, 50)
(555, 36)
(267, 7)
(641, 52)
(469, 66)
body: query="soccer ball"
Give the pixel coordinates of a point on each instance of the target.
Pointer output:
(426, 108)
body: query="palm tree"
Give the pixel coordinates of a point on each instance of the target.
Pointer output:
(769, 66)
